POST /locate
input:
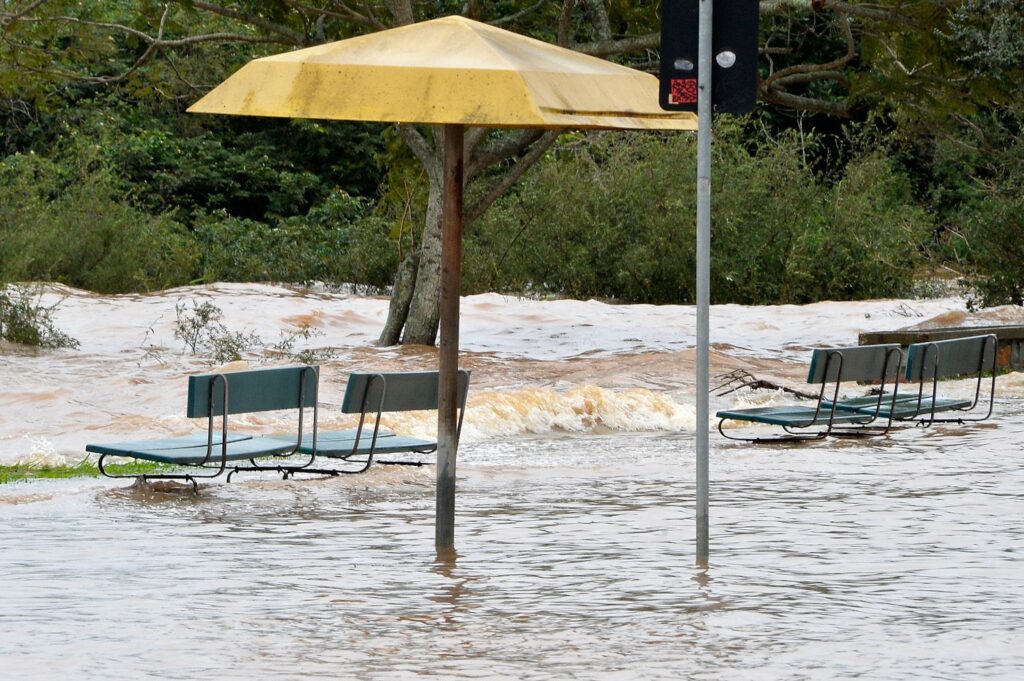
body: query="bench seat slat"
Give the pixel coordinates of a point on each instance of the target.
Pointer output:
(349, 434)
(794, 416)
(911, 408)
(387, 443)
(907, 406)
(190, 440)
(238, 450)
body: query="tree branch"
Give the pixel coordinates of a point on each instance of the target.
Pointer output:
(866, 11)
(605, 48)
(419, 146)
(346, 13)
(159, 41)
(151, 49)
(518, 15)
(402, 11)
(805, 78)
(840, 109)
(599, 18)
(779, 77)
(781, 7)
(512, 176)
(565, 22)
(502, 151)
(291, 37)
(473, 138)
(8, 18)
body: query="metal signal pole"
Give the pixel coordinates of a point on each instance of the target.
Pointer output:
(703, 273)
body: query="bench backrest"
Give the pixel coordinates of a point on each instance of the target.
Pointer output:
(252, 391)
(955, 357)
(857, 363)
(405, 391)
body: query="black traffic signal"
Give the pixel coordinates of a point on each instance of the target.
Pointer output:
(733, 51)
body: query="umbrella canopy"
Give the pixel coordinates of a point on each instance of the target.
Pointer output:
(449, 70)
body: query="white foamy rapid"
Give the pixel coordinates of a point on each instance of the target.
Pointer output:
(538, 366)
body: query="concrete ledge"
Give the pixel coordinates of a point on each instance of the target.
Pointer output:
(1010, 340)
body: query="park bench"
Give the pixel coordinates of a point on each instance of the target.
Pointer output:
(830, 367)
(217, 397)
(928, 363)
(370, 395)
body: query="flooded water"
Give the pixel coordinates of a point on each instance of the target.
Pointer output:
(892, 558)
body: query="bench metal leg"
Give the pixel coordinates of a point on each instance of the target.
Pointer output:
(144, 477)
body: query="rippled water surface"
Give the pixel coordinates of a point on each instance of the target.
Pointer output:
(899, 560)
(894, 558)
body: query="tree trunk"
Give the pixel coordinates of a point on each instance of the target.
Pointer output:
(401, 297)
(424, 310)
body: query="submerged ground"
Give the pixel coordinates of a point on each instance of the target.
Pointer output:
(894, 558)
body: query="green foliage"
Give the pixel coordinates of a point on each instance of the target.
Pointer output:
(989, 35)
(69, 223)
(615, 219)
(200, 326)
(26, 321)
(277, 171)
(868, 243)
(72, 222)
(986, 237)
(111, 186)
(994, 238)
(974, 175)
(339, 241)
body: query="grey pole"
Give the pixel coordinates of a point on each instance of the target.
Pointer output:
(703, 270)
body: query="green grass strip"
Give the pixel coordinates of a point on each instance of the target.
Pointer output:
(85, 469)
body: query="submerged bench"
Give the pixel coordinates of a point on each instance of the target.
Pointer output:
(829, 368)
(930, 362)
(218, 396)
(371, 395)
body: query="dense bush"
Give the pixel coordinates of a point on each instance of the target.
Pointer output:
(869, 241)
(977, 184)
(72, 224)
(339, 241)
(615, 218)
(26, 321)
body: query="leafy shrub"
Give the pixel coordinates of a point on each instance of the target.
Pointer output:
(77, 228)
(200, 326)
(338, 241)
(26, 321)
(982, 216)
(614, 217)
(869, 240)
(994, 238)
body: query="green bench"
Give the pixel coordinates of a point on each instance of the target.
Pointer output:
(928, 363)
(371, 395)
(829, 416)
(217, 397)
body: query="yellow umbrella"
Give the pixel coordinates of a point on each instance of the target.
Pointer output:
(446, 71)
(453, 72)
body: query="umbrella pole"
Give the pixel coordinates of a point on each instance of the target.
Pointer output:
(447, 401)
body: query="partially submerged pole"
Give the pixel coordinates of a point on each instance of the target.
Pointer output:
(703, 272)
(447, 401)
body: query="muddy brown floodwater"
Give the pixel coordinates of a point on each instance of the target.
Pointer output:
(892, 558)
